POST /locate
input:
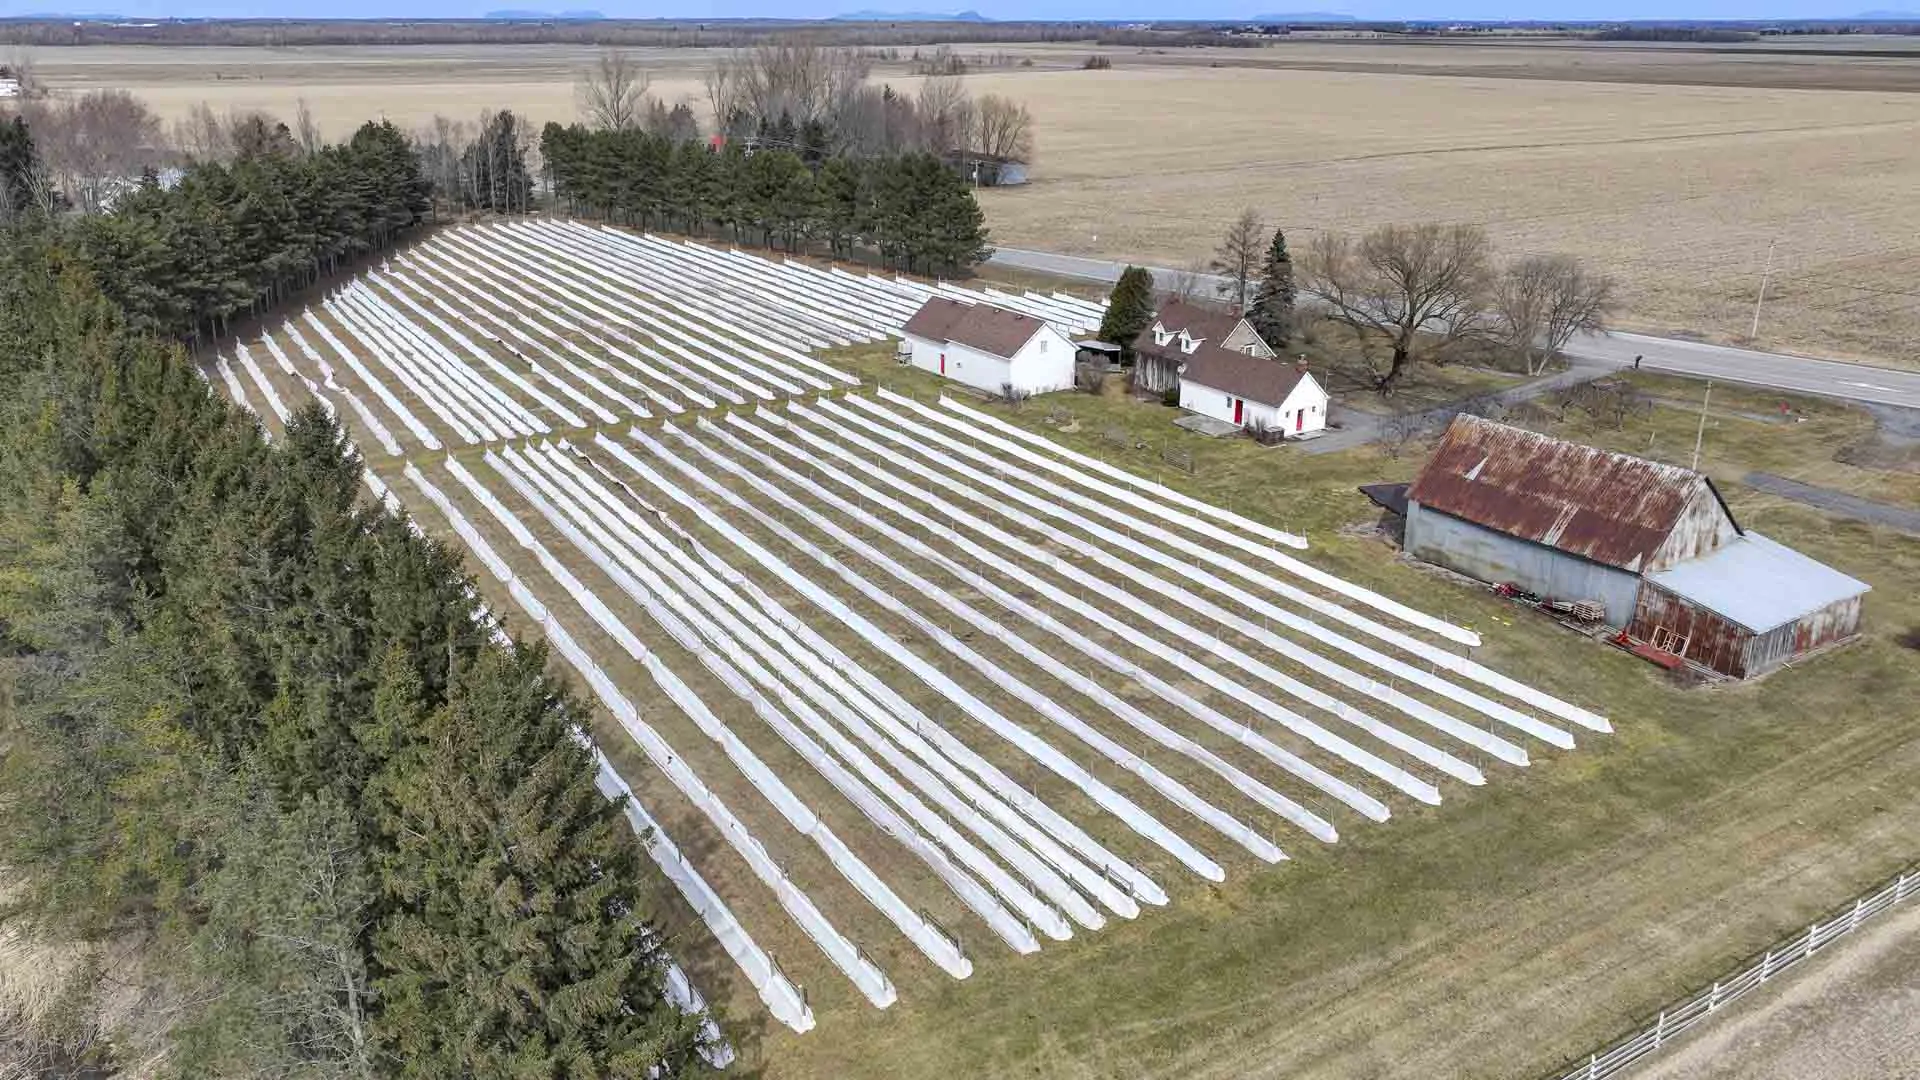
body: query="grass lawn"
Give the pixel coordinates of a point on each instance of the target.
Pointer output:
(1517, 925)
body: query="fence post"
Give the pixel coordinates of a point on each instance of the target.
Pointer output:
(1593, 1064)
(1660, 1028)
(1766, 966)
(1713, 996)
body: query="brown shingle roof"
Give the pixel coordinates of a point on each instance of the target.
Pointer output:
(990, 329)
(1213, 324)
(1612, 508)
(1254, 378)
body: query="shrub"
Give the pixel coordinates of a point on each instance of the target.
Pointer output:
(1097, 63)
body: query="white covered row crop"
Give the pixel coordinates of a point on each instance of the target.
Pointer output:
(918, 684)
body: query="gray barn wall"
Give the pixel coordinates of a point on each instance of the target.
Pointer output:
(1498, 558)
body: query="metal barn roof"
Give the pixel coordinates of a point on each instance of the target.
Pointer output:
(1757, 583)
(1614, 509)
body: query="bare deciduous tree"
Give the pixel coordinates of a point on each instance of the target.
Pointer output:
(1003, 129)
(306, 129)
(201, 136)
(1542, 301)
(25, 71)
(946, 113)
(1417, 288)
(95, 144)
(1187, 283)
(800, 80)
(1238, 258)
(613, 92)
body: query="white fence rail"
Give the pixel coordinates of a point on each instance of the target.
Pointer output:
(1617, 1058)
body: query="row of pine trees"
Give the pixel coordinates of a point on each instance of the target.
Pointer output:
(259, 764)
(230, 240)
(909, 210)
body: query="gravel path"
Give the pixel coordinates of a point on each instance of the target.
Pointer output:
(1837, 502)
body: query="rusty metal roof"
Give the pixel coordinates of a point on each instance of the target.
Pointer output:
(1611, 508)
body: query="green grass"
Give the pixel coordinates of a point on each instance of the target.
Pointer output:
(1516, 926)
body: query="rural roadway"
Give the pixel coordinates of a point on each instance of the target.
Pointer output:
(1779, 371)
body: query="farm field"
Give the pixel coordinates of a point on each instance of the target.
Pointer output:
(919, 688)
(1678, 170)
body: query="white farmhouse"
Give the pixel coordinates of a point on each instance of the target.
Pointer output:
(1253, 392)
(990, 348)
(1181, 326)
(9, 86)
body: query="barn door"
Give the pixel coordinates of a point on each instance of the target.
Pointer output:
(1239, 407)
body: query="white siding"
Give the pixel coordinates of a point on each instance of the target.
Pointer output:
(1305, 409)
(1043, 364)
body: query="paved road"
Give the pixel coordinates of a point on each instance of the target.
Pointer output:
(1799, 374)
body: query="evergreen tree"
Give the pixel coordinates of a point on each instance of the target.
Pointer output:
(21, 178)
(512, 946)
(1129, 308)
(1272, 312)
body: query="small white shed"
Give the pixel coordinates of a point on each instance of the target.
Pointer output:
(989, 348)
(1253, 392)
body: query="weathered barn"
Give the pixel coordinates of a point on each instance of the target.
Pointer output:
(1654, 544)
(1747, 608)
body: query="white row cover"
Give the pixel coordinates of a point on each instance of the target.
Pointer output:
(783, 999)
(589, 527)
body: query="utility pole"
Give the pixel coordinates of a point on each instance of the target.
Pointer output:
(1754, 334)
(1700, 434)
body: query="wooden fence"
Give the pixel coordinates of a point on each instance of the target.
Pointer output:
(1680, 1016)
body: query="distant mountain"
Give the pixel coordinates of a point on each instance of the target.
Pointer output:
(1890, 16)
(1304, 17)
(512, 15)
(911, 16)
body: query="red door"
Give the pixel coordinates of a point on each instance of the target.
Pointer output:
(943, 363)
(1299, 419)
(1238, 407)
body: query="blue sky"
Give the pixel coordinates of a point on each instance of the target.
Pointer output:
(1002, 9)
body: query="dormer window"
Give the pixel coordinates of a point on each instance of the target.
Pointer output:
(1161, 335)
(1188, 342)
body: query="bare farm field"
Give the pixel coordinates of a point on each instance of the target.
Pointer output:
(1678, 170)
(979, 740)
(1679, 191)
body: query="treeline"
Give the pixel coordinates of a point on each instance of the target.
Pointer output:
(910, 210)
(261, 768)
(227, 240)
(712, 33)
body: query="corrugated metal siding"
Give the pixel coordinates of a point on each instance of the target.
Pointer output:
(1702, 526)
(1835, 622)
(1495, 557)
(1704, 638)
(1722, 646)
